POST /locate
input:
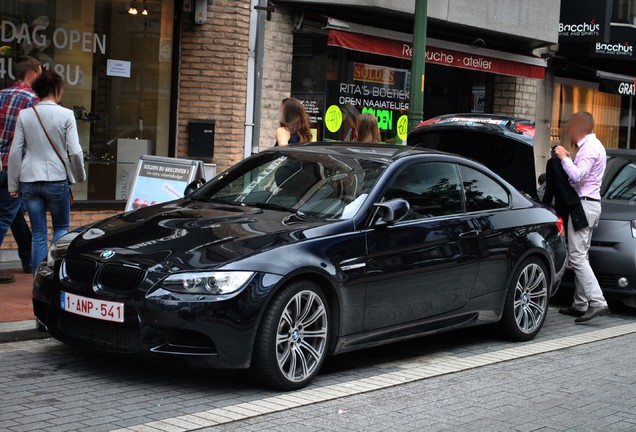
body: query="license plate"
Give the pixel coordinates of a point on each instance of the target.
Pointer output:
(92, 308)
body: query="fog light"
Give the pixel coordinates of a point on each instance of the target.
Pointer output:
(622, 282)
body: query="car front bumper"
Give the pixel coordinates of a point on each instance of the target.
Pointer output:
(612, 257)
(200, 332)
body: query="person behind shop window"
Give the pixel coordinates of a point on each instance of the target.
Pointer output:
(294, 124)
(367, 129)
(13, 100)
(45, 143)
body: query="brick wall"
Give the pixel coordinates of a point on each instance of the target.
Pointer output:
(277, 72)
(213, 77)
(515, 96)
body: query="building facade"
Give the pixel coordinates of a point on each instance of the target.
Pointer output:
(138, 81)
(350, 57)
(594, 70)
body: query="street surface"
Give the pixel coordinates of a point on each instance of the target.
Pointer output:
(571, 377)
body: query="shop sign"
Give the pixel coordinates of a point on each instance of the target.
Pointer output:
(34, 38)
(445, 57)
(623, 88)
(585, 20)
(159, 179)
(620, 45)
(372, 89)
(118, 68)
(312, 108)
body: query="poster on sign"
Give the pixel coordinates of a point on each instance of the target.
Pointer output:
(159, 179)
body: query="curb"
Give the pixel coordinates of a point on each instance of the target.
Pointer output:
(20, 331)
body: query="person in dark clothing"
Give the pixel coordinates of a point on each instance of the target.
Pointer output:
(22, 235)
(566, 201)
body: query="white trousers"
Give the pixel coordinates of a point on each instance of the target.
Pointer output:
(588, 291)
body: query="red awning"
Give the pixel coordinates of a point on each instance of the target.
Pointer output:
(445, 57)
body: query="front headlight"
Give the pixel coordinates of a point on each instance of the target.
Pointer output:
(216, 283)
(59, 248)
(634, 228)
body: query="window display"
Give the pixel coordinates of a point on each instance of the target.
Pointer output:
(117, 72)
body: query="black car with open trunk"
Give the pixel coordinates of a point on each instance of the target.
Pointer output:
(301, 252)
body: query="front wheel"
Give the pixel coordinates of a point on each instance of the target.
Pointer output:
(526, 302)
(293, 339)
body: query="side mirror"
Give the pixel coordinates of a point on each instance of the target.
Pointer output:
(193, 186)
(393, 211)
(541, 179)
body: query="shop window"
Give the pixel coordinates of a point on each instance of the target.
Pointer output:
(117, 72)
(336, 85)
(606, 108)
(624, 11)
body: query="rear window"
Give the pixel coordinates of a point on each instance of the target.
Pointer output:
(512, 160)
(482, 192)
(620, 181)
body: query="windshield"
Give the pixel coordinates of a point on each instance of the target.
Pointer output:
(309, 184)
(620, 181)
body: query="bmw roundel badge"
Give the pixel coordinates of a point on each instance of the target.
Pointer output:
(107, 254)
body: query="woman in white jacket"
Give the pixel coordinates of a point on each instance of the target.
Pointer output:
(45, 157)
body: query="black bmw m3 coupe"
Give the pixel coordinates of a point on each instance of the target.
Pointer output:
(301, 252)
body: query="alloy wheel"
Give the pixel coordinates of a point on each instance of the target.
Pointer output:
(531, 298)
(301, 338)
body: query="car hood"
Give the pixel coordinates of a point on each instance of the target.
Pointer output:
(618, 210)
(187, 235)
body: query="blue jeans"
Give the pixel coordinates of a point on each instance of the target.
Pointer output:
(38, 197)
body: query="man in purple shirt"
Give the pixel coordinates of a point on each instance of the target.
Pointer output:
(586, 174)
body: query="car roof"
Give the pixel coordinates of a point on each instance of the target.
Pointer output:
(629, 154)
(516, 128)
(388, 153)
(385, 153)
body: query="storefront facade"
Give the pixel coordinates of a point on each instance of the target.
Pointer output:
(341, 74)
(594, 69)
(345, 62)
(136, 82)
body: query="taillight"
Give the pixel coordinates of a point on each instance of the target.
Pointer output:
(560, 226)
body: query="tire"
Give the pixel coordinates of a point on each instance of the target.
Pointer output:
(292, 341)
(526, 303)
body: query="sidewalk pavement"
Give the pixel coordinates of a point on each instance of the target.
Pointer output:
(16, 310)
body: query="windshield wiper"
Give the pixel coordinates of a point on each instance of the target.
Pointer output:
(271, 206)
(215, 200)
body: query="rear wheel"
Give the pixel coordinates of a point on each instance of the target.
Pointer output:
(293, 339)
(527, 301)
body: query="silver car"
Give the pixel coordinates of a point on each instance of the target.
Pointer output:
(613, 251)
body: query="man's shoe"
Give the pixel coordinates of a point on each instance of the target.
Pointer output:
(27, 269)
(592, 312)
(6, 278)
(571, 312)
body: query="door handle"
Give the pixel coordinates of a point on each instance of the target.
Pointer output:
(469, 234)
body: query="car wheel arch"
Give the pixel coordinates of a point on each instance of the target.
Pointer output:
(328, 288)
(533, 252)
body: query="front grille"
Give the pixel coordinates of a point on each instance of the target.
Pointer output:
(120, 278)
(80, 270)
(92, 333)
(607, 281)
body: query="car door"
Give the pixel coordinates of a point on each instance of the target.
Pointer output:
(487, 203)
(425, 264)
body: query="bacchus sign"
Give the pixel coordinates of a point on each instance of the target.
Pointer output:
(585, 20)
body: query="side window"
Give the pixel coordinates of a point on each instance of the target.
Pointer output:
(431, 188)
(482, 192)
